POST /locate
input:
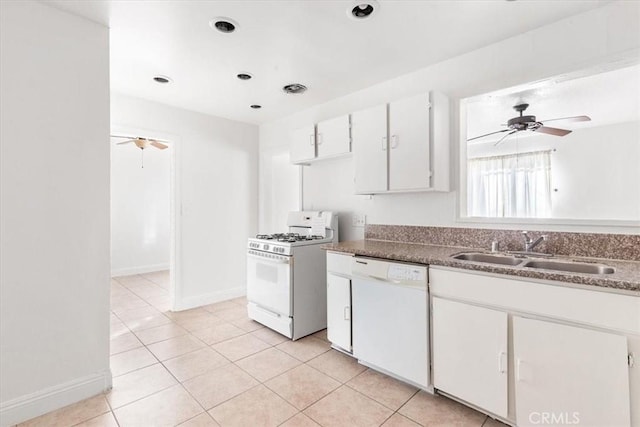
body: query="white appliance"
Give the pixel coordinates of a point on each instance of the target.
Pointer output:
(390, 319)
(286, 275)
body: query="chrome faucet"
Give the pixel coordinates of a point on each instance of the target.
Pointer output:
(529, 243)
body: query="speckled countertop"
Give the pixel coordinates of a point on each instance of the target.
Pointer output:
(625, 278)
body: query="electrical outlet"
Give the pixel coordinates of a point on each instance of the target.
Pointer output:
(358, 220)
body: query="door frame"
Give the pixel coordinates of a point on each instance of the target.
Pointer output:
(175, 201)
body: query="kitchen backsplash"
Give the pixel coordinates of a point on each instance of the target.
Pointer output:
(612, 246)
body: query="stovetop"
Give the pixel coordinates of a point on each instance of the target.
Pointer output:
(285, 243)
(288, 237)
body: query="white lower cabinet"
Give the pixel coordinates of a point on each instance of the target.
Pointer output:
(339, 311)
(569, 375)
(535, 353)
(469, 348)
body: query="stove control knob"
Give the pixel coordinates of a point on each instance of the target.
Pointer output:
(265, 247)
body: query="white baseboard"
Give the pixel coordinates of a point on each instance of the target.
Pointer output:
(139, 270)
(209, 298)
(35, 404)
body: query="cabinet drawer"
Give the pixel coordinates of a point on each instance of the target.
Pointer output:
(601, 309)
(339, 263)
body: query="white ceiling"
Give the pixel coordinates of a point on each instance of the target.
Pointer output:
(312, 42)
(606, 97)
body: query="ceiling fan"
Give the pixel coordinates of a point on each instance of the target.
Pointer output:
(523, 123)
(142, 143)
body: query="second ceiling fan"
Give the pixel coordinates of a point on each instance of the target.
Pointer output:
(529, 123)
(142, 143)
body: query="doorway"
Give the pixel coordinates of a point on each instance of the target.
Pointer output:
(142, 226)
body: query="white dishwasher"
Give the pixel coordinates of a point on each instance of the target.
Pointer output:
(390, 318)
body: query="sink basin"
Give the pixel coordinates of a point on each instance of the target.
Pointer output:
(489, 258)
(570, 267)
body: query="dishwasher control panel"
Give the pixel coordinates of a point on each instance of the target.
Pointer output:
(392, 272)
(406, 272)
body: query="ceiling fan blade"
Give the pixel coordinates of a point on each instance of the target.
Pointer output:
(552, 131)
(492, 133)
(570, 119)
(159, 145)
(124, 137)
(125, 142)
(504, 137)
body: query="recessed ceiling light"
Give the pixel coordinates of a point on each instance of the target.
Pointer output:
(362, 9)
(294, 88)
(223, 24)
(244, 76)
(162, 79)
(256, 106)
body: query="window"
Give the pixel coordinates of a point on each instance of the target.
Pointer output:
(517, 186)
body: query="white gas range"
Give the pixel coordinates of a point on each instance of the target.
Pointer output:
(286, 275)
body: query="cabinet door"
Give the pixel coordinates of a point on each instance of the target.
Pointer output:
(339, 311)
(334, 137)
(569, 375)
(303, 144)
(409, 144)
(369, 133)
(470, 354)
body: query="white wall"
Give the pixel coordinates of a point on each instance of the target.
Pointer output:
(216, 168)
(581, 41)
(140, 215)
(54, 209)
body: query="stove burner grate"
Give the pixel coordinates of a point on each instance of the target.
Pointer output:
(288, 237)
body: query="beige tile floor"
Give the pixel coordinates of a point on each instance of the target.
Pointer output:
(212, 366)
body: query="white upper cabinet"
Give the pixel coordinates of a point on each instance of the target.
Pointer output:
(402, 146)
(303, 144)
(333, 137)
(409, 165)
(329, 138)
(369, 132)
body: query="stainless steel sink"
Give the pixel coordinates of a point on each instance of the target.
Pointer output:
(489, 258)
(570, 267)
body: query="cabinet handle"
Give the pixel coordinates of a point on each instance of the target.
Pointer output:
(311, 141)
(521, 371)
(394, 141)
(319, 139)
(347, 313)
(384, 143)
(500, 362)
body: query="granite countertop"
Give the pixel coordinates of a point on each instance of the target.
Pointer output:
(626, 276)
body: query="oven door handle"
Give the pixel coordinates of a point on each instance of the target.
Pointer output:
(267, 259)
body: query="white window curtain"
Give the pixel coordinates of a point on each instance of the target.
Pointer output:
(517, 186)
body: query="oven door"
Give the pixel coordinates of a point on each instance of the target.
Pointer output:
(269, 281)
